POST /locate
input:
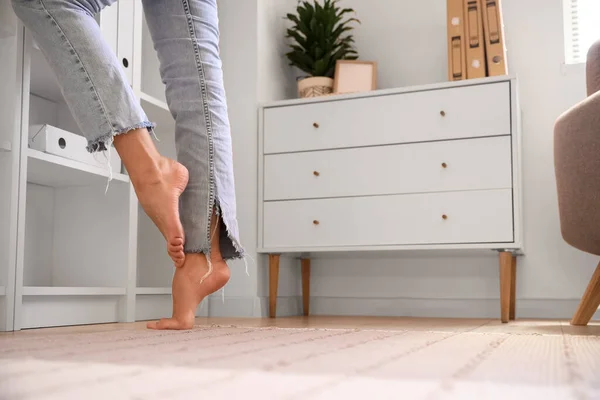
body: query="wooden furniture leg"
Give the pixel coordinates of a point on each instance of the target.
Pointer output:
(306, 285)
(273, 283)
(589, 302)
(513, 288)
(508, 266)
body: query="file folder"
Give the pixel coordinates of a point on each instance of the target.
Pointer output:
(456, 41)
(475, 45)
(493, 32)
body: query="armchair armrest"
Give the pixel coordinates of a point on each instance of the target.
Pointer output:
(577, 169)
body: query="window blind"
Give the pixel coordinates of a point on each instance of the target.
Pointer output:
(582, 28)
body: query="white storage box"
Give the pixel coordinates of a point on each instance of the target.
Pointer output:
(52, 140)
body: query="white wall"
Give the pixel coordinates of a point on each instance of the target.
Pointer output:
(410, 48)
(276, 79)
(238, 49)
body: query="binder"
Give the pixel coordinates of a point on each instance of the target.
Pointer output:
(474, 42)
(456, 41)
(493, 32)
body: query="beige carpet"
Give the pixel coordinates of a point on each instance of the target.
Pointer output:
(406, 360)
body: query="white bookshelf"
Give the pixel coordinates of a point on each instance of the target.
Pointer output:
(153, 290)
(150, 82)
(75, 244)
(46, 306)
(50, 311)
(150, 101)
(10, 99)
(42, 81)
(73, 291)
(74, 252)
(50, 170)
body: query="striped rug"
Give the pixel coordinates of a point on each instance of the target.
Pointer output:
(237, 362)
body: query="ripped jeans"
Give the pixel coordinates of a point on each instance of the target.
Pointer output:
(186, 37)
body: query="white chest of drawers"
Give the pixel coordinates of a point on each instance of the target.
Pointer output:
(421, 168)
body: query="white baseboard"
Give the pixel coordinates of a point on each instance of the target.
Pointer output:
(231, 306)
(401, 307)
(439, 308)
(286, 306)
(3, 321)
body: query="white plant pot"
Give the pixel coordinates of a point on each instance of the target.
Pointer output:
(315, 86)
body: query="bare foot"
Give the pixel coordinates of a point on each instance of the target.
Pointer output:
(189, 290)
(159, 197)
(158, 183)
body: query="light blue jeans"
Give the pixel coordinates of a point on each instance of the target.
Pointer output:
(186, 37)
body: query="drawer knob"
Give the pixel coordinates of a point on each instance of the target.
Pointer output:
(444, 217)
(315, 125)
(316, 222)
(443, 113)
(316, 173)
(444, 165)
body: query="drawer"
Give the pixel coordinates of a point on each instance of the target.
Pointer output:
(469, 164)
(469, 111)
(414, 219)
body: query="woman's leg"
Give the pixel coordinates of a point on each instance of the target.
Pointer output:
(101, 101)
(186, 37)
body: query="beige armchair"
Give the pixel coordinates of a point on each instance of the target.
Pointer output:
(577, 168)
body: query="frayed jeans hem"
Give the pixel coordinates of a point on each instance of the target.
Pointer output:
(103, 143)
(235, 256)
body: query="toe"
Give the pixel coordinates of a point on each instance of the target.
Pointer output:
(177, 255)
(175, 249)
(176, 242)
(152, 325)
(179, 262)
(170, 323)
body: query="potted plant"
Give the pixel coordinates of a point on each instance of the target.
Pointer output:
(320, 37)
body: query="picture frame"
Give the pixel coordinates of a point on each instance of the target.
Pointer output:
(352, 76)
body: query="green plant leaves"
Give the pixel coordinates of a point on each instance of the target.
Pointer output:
(320, 37)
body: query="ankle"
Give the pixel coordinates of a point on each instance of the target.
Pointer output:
(195, 260)
(140, 157)
(149, 171)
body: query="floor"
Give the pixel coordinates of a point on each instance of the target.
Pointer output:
(306, 358)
